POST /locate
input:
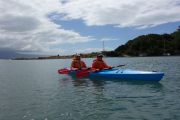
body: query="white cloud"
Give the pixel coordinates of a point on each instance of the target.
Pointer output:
(122, 13)
(88, 50)
(25, 26)
(109, 39)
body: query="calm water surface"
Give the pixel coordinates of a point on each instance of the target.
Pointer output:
(32, 90)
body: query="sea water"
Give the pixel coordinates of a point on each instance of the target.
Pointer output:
(33, 90)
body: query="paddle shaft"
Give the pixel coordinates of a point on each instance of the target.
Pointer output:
(85, 72)
(110, 68)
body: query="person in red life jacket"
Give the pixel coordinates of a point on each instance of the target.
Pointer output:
(77, 63)
(99, 64)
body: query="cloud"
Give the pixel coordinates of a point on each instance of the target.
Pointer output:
(18, 23)
(88, 50)
(109, 39)
(122, 13)
(25, 26)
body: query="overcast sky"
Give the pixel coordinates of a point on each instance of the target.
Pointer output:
(74, 26)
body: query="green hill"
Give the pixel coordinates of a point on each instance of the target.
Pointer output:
(151, 45)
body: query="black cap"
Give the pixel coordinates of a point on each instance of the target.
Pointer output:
(77, 55)
(100, 55)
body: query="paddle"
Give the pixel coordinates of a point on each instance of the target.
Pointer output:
(85, 73)
(66, 71)
(97, 70)
(63, 71)
(82, 73)
(118, 66)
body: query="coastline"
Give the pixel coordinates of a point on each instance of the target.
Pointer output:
(69, 57)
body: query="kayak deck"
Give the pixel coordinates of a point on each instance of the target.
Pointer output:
(125, 74)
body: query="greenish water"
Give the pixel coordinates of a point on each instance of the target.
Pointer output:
(32, 90)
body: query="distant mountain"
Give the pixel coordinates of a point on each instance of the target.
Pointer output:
(10, 54)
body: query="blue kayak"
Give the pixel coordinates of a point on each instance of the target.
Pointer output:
(125, 74)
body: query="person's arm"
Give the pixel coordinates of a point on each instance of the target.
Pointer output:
(95, 67)
(84, 64)
(106, 66)
(73, 67)
(72, 64)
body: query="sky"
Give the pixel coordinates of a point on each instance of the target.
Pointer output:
(64, 27)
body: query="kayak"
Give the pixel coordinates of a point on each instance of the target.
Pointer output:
(124, 74)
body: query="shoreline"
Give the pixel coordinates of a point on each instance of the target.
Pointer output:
(69, 57)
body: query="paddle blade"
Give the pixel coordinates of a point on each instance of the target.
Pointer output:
(63, 71)
(118, 66)
(82, 73)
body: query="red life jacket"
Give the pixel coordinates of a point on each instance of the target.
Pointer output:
(99, 64)
(78, 64)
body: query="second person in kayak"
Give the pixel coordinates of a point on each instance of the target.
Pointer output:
(77, 63)
(99, 64)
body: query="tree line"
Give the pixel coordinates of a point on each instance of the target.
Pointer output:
(149, 45)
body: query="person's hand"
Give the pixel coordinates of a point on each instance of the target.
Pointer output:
(83, 68)
(74, 69)
(110, 67)
(107, 68)
(96, 70)
(88, 68)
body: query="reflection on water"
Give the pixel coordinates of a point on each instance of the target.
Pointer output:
(102, 84)
(111, 96)
(102, 81)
